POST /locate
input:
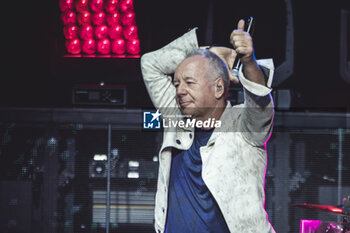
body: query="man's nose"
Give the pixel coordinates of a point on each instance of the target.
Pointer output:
(181, 89)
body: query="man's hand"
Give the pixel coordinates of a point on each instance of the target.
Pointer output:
(243, 44)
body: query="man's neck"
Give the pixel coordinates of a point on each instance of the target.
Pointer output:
(214, 114)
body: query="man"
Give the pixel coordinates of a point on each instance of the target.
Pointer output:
(211, 179)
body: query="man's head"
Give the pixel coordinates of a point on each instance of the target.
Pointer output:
(201, 82)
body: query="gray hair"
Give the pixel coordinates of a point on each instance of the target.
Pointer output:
(216, 64)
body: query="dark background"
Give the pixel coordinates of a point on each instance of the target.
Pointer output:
(34, 72)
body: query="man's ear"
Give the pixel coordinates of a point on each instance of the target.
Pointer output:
(219, 88)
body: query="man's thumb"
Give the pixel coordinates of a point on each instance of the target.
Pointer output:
(240, 25)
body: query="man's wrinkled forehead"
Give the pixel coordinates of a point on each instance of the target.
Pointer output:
(191, 66)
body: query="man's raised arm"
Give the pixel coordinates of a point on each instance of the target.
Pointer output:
(157, 66)
(256, 78)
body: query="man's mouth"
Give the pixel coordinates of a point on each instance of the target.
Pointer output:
(185, 103)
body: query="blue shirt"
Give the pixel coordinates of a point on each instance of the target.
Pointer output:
(191, 206)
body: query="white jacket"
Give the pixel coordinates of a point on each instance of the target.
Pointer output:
(234, 159)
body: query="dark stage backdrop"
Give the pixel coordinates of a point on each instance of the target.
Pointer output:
(34, 72)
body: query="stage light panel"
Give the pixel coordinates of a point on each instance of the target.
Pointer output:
(99, 27)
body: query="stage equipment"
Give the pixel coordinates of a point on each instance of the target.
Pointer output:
(91, 94)
(317, 226)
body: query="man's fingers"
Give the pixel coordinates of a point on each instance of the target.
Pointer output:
(244, 50)
(239, 36)
(240, 25)
(240, 43)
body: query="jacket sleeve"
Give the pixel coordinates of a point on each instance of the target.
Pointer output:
(157, 66)
(257, 112)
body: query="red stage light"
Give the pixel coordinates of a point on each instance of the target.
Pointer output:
(111, 5)
(98, 18)
(126, 5)
(99, 26)
(118, 46)
(130, 32)
(128, 18)
(68, 17)
(101, 32)
(133, 46)
(66, 5)
(84, 18)
(96, 5)
(73, 46)
(70, 31)
(82, 5)
(86, 32)
(113, 18)
(89, 46)
(104, 46)
(115, 32)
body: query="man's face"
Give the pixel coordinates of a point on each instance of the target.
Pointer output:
(195, 89)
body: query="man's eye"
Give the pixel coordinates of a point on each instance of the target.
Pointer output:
(176, 85)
